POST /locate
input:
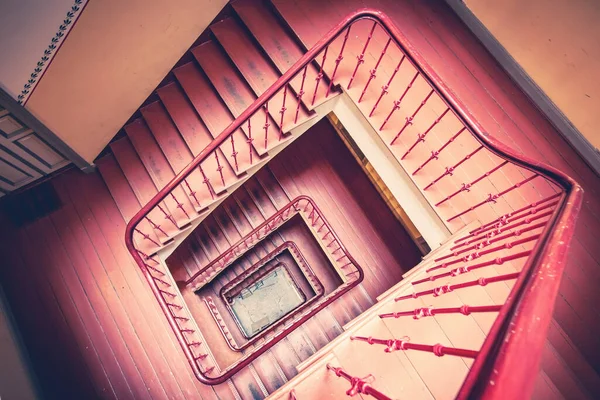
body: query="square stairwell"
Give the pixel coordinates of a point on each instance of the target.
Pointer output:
(242, 305)
(262, 214)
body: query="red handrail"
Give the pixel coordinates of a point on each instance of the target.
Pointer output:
(500, 370)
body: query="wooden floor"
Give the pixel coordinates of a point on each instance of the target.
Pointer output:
(93, 329)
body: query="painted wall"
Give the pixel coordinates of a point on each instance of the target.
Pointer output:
(26, 30)
(114, 56)
(557, 42)
(15, 382)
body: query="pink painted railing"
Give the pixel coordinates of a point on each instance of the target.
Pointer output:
(464, 174)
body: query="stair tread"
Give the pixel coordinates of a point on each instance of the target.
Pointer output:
(159, 169)
(394, 374)
(126, 200)
(176, 151)
(236, 94)
(561, 375)
(196, 134)
(118, 186)
(140, 182)
(280, 47)
(442, 375)
(316, 383)
(215, 115)
(258, 72)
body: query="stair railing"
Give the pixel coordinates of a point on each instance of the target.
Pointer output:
(507, 363)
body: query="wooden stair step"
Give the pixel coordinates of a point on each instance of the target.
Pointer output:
(177, 153)
(259, 72)
(281, 48)
(141, 183)
(316, 383)
(394, 374)
(567, 351)
(236, 94)
(544, 389)
(196, 134)
(561, 375)
(442, 375)
(126, 200)
(216, 116)
(118, 186)
(310, 30)
(159, 170)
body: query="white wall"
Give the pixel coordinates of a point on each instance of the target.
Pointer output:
(557, 42)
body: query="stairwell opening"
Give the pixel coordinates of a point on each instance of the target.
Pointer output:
(383, 190)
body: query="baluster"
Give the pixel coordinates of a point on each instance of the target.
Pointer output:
(167, 216)
(384, 88)
(373, 72)
(439, 290)
(147, 237)
(177, 306)
(464, 270)
(267, 124)
(436, 153)
(155, 226)
(410, 119)
(320, 75)
(359, 385)
(282, 112)
(179, 205)
(145, 256)
(250, 140)
(154, 269)
(206, 181)
(219, 167)
(164, 292)
(399, 101)
(518, 221)
(209, 370)
(421, 136)
(300, 93)
(493, 239)
(450, 170)
(167, 284)
(192, 193)
(361, 57)
(528, 208)
(421, 312)
(234, 153)
(404, 344)
(492, 198)
(339, 58)
(467, 186)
